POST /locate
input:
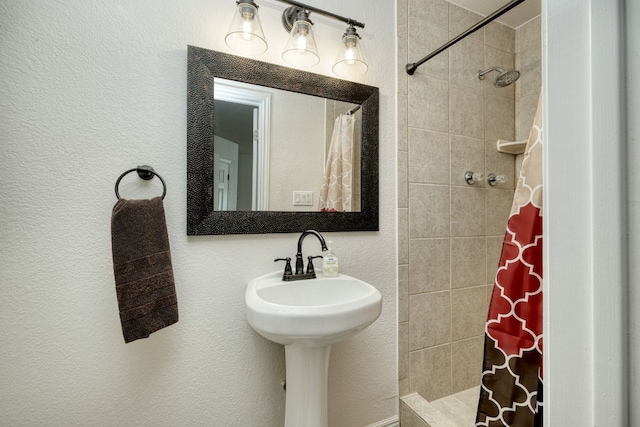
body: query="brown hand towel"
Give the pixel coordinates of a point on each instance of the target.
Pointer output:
(142, 267)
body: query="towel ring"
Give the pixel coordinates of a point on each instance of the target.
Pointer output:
(145, 172)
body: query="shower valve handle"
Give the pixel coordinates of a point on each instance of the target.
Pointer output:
(473, 177)
(494, 179)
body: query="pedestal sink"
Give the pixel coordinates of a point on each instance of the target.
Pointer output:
(308, 316)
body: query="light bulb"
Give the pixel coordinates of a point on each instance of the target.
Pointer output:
(246, 30)
(301, 42)
(350, 55)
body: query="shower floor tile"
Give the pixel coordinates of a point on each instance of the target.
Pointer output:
(456, 410)
(460, 408)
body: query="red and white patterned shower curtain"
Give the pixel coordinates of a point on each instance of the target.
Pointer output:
(511, 388)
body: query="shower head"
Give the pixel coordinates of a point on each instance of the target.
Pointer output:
(505, 77)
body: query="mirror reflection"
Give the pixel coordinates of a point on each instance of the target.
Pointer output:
(278, 150)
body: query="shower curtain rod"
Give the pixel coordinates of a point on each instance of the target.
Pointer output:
(411, 68)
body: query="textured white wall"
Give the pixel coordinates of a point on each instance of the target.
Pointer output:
(88, 90)
(297, 148)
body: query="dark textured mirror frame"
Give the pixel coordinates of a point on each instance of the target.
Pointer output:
(203, 66)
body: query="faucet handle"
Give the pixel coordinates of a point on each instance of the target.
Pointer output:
(310, 268)
(494, 179)
(287, 267)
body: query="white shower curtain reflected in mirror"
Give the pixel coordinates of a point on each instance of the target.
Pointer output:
(336, 191)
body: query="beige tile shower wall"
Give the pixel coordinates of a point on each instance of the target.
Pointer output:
(450, 233)
(529, 62)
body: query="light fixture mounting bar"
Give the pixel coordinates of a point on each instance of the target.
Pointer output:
(325, 13)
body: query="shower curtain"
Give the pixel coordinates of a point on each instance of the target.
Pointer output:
(511, 387)
(335, 194)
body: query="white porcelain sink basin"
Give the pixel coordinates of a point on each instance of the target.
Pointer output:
(308, 316)
(313, 312)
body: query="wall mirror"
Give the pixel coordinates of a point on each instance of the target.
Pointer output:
(289, 116)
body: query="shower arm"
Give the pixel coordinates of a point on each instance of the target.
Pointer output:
(412, 67)
(482, 73)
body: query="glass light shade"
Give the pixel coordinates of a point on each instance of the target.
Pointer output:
(245, 34)
(301, 49)
(350, 62)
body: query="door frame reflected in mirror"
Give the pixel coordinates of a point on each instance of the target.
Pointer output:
(203, 66)
(240, 93)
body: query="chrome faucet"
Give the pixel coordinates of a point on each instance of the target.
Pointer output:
(300, 273)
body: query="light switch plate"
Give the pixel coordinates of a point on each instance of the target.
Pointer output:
(303, 198)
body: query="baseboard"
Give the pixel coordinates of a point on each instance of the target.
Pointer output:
(389, 422)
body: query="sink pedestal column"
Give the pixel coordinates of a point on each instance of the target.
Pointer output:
(307, 374)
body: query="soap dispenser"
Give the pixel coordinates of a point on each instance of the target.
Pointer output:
(329, 262)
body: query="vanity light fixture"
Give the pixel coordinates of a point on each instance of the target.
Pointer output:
(301, 49)
(245, 34)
